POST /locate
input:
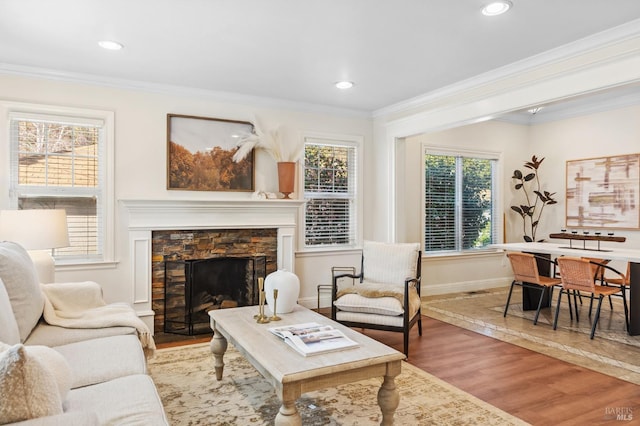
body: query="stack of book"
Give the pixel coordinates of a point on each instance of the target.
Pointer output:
(313, 338)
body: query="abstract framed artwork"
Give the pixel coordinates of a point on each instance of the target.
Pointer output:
(200, 154)
(603, 192)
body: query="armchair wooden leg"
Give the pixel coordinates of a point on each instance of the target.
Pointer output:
(406, 343)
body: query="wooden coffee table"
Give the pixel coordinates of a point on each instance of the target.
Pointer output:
(292, 374)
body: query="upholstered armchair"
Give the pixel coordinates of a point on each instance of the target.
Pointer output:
(386, 293)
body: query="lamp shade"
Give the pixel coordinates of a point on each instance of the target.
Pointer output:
(35, 229)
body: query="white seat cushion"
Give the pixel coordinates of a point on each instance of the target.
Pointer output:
(130, 400)
(52, 335)
(387, 320)
(99, 360)
(385, 304)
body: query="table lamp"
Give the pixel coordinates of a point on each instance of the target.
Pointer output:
(38, 231)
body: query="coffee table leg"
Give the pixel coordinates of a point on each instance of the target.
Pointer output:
(288, 414)
(388, 399)
(218, 347)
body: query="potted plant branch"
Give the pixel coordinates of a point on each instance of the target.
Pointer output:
(536, 199)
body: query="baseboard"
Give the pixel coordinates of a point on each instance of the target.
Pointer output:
(427, 290)
(461, 287)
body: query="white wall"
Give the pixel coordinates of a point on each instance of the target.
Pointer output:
(443, 274)
(140, 157)
(603, 134)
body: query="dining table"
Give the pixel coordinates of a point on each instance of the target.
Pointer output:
(611, 253)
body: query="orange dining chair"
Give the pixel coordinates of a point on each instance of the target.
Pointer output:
(577, 274)
(597, 270)
(623, 281)
(525, 271)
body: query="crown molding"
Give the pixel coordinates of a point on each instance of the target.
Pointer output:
(582, 47)
(173, 90)
(578, 108)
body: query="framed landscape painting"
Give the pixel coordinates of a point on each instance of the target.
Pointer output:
(200, 154)
(603, 192)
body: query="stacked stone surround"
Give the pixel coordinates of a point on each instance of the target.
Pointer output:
(205, 244)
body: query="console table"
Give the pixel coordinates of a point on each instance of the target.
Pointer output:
(628, 255)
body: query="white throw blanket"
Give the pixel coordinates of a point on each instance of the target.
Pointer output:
(80, 305)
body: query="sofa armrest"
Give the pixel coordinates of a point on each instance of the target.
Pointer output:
(76, 418)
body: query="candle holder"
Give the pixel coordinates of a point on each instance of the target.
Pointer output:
(275, 317)
(261, 318)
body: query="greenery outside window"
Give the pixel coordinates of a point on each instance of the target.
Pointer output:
(330, 191)
(460, 201)
(60, 162)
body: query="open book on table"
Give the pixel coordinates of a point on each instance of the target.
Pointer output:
(312, 338)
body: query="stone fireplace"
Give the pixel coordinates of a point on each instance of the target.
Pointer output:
(192, 260)
(195, 226)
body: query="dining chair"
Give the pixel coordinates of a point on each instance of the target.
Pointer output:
(577, 274)
(525, 271)
(623, 281)
(597, 270)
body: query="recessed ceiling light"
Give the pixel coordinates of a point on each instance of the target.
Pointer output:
(110, 45)
(344, 84)
(496, 8)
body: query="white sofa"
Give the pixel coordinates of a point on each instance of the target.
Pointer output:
(51, 375)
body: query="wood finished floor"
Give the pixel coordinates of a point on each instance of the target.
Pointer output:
(538, 389)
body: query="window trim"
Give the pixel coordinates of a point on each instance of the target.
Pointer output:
(497, 216)
(8, 108)
(342, 139)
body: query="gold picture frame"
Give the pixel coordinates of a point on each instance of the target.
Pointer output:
(603, 192)
(200, 154)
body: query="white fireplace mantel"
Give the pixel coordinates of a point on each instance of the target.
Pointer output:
(145, 216)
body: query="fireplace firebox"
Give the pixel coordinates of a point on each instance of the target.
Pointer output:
(193, 287)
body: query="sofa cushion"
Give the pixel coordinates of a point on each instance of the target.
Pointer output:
(99, 360)
(28, 388)
(9, 332)
(52, 335)
(130, 400)
(19, 277)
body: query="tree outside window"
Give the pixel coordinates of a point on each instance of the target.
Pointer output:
(459, 202)
(329, 188)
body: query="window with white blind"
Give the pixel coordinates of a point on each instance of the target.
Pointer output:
(460, 201)
(59, 162)
(330, 188)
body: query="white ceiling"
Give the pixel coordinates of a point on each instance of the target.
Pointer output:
(293, 50)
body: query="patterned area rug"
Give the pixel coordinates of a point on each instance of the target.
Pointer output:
(611, 352)
(191, 395)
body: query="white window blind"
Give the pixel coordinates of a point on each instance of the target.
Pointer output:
(56, 163)
(459, 202)
(330, 190)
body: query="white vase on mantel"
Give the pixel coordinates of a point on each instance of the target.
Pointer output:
(288, 286)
